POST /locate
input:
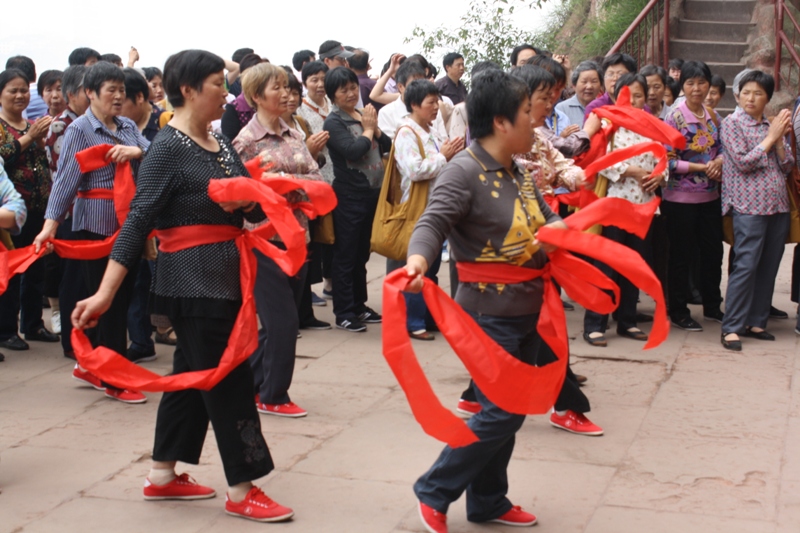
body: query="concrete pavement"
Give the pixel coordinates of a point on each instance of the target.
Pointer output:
(697, 439)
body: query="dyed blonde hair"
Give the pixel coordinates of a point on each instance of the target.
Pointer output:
(256, 78)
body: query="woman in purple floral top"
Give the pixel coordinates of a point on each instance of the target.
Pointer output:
(691, 201)
(268, 137)
(757, 159)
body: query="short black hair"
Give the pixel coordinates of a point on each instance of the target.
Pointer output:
(719, 83)
(419, 58)
(338, 78)
(239, 54)
(72, 80)
(494, 94)
(585, 66)
(80, 56)
(313, 67)
(517, 49)
(764, 80)
(250, 60)
(655, 70)
(407, 71)
(550, 65)
(694, 69)
(619, 59)
(294, 83)
(674, 87)
(629, 79)
(450, 58)
(417, 91)
(101, 72)
(25, 64)
(9, 75)
(360, 60)
(151, 73)
(189, 67)
(111, 58)
(135, 84)
(302, 57)
(675, 63)
(480, 66)
(535, 77)
(47, 79)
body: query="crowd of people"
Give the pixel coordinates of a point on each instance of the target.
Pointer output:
(453, 148)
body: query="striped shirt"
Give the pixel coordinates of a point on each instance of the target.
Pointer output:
(97, 216)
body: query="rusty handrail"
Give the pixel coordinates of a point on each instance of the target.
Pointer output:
(635, 27)
(782, 39)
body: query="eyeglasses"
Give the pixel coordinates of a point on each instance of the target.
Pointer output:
(615, 74)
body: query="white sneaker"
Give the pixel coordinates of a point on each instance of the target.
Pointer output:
(55, 322)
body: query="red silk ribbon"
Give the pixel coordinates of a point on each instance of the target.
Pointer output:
(94, 158)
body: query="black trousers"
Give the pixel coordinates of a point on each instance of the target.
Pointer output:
(277, 297)
(352, 224)
(23, 297)
(72, 288)
(694, 227)
(183, 416)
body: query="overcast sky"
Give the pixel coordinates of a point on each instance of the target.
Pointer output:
(48, 30)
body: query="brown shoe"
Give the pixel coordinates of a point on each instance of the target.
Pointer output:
(168, 337)
(599, 341)
(422, 336)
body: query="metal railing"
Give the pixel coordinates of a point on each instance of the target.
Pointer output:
(647, 38)
(791, 74)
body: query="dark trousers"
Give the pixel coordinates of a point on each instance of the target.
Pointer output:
(72, 288)
(23, 297)
(657, 250)
(112, 327)
(481, 468)
(417, 316)
(277, 297)
(759, 241)
(629, 293)
(352, 224)
(53, 272)
(305, 309)
(183, 416)
(694, 227)
(139, 327)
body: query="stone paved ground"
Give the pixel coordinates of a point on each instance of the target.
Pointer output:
(697, 439)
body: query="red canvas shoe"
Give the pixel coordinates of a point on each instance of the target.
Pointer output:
(125, 395)
(433, 520)
(468, 408)
(87, 378)
(259, 507)
(290, 410)
(182, 487)
(575, 423)
(516, 517)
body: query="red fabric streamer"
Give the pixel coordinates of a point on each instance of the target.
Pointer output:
(124, 189)
(512, 385)
(623, 154)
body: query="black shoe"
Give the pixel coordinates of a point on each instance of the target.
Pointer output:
(735, 346)
(760, 335)
(369, 316)
(14, 343)
(641, 318)
(686, 323)
(2, 358)
(777, 313)
(567, 306)
(137, 356)
(714, 316)
(315, 324)
(42, 335)
(351, 325)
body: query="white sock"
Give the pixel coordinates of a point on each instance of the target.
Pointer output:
(560, 413)
(161, 476)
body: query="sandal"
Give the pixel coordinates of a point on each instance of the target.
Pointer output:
(762, 335)
(421, 335)
(599, 341)
(168, 337)
(732, 344)
(633, 333)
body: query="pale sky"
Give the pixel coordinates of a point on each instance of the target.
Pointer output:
(48, 30)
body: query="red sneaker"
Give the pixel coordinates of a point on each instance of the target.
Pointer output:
(182, 487)
(125, 395)
(259, 507)
(87, 378)
(433, 520)
(516, 517)
(468, 408)
(291, 409)
(575, 423)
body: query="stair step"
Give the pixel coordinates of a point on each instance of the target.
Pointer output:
(720, 10)
(728, 71)
(713, 31)
(718, 51)
(728, 100)
(724, 111)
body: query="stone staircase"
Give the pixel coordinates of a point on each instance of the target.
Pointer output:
(716, 32)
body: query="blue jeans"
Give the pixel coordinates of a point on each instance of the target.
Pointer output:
(481, 468)
(415, 304)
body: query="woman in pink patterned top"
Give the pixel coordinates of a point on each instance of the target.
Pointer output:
(268, 137)
(757, 160)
